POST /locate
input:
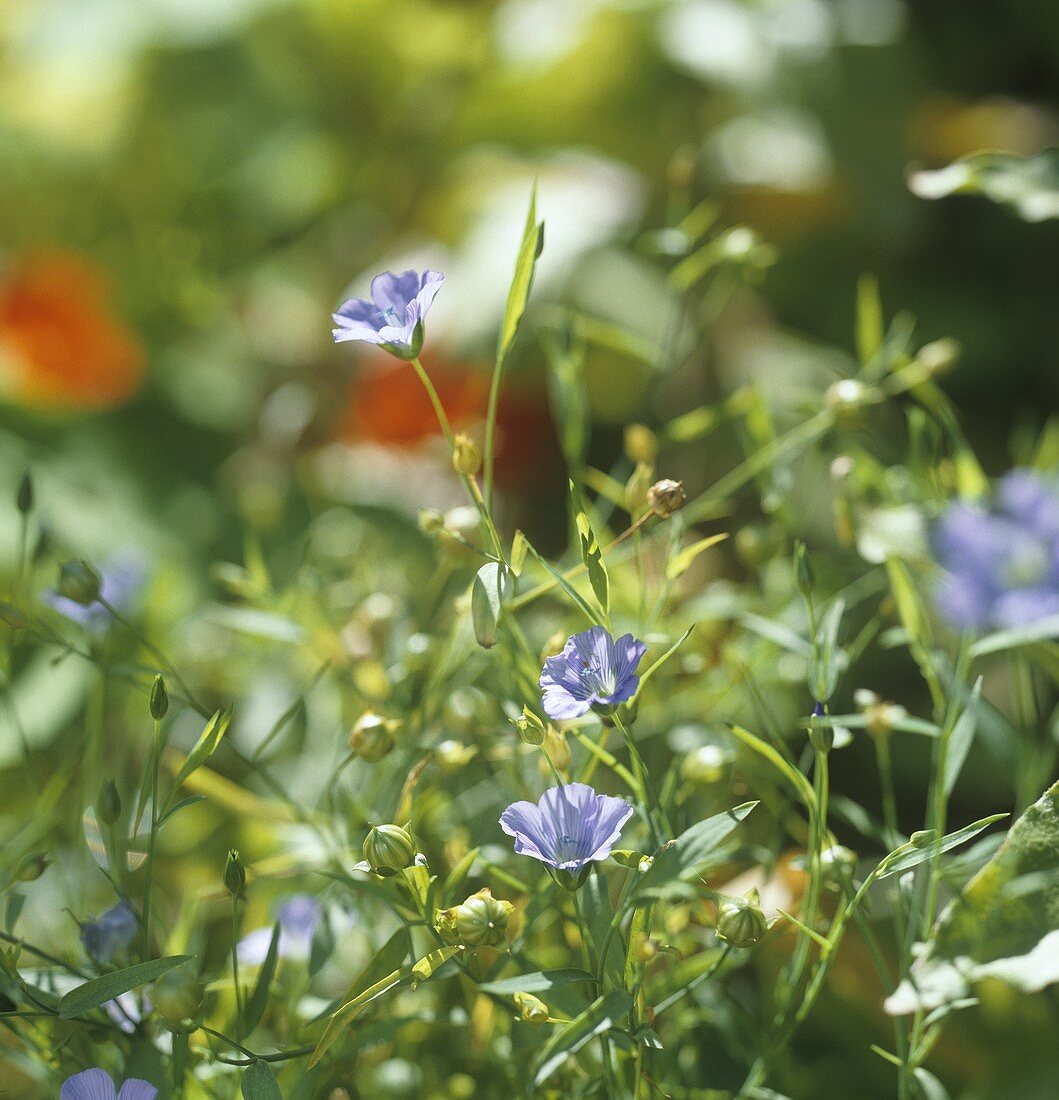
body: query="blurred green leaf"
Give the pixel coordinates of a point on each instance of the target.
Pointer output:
(98, 991)
(598, 1018)
(259, 1083)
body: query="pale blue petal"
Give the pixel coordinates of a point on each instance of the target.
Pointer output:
(92, 1084)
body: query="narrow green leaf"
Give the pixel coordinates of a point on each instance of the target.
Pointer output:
(255, 1006)
(519, 548)
(579, 601)
(458, 875)
(591, 554)
(1042, 630)
(960, 739)
(491, 587)
(679, 565)
(908, 857)
(98, 991)
(538, 981)
(204, 748)
(598, 1018)
(685, 857)
(259, 1083)
(518, 295)
(662, 660)
(765, 750)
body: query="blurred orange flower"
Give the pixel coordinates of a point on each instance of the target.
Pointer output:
(60, 345)
(387, 405)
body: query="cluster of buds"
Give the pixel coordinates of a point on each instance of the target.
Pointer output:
(741, 922)
(880, 717)
(480, 921)
(389, 849)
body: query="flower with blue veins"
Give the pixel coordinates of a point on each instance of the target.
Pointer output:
(111, 934)
(97, 1084)
(595, 671)
(299, 917)
(567, 829)
(393, 318)
(1001, 564)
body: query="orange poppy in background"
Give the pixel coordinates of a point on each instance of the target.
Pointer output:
(61, 347)
(387, 405)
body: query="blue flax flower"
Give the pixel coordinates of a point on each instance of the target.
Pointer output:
(298, 918)
(1001, 565)
(111, 934)
(97, 1084)
(567, 829)
(594, 671)
(393, 318)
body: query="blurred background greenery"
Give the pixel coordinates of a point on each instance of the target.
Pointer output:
(189, 187)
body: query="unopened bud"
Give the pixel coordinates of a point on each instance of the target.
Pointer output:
(234, 875)
(803, 570)
(389, 849)
(431, 521)
(466, 458)
(530, 727)
(532, 1009)
(159, 699)
(666, 497)
(821, 732)
(370, 738)
(641, 444)
(31, 867)
(637, 487)
(177, 998)
(79, 582)
(923, 838)
(879, 717)
(480, 921)
(24, 496)
(741, 922)
(847, 397)
(108, 805)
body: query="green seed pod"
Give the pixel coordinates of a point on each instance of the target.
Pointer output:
(666, 497)
(31, 867)
(177, 998)
(159, 699)
(79, 582)
(370, 738)
(532, 1009)
(24, 497)
(466, 458)
(530, 727)
(389, 849)
(741, 922)
(923, 838)
(234, 875)
(481, 920)
(108, 804)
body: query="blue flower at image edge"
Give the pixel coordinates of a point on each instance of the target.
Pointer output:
(97, 1084)
(1001, 565)
(594, 669)
(568, 828)
(393, 319)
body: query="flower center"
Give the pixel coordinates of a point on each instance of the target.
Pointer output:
(389, 316)
(566, 849)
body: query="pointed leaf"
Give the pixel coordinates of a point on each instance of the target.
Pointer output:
(98, 991)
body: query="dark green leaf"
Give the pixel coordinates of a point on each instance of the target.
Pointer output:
(98, 991)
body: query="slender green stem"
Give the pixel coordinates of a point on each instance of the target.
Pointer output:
(653, 811)
(490, 429)
(156, 752)
(235, 969)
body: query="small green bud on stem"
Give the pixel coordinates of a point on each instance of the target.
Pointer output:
(159, 699)
(108, 805)
(79, 582)
(234, 875)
